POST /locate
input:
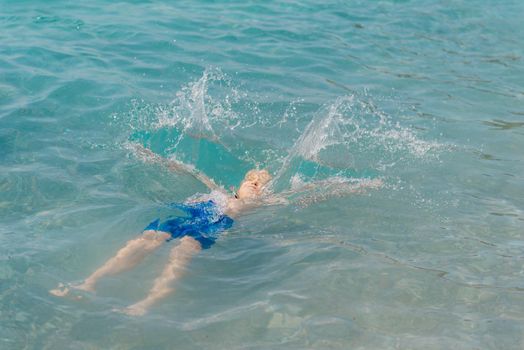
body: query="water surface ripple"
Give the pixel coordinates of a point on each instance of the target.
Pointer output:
(427, 95)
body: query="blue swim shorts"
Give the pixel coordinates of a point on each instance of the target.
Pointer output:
(203, 221)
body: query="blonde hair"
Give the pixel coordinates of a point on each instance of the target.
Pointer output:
(262, 176)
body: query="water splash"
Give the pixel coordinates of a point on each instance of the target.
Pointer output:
(323, 131)
(354, 138)
(349, 137)
(197, 112)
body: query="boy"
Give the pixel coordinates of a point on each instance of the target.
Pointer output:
(206, 218)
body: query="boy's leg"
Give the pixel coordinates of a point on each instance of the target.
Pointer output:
(174, 269)
(131, 254)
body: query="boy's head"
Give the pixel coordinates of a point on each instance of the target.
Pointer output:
(253, 183)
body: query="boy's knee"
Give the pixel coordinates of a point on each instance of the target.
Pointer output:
(154, 235)
(191, 243)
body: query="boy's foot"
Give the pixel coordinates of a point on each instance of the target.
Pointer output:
(133, 310)
(64, 290)
(85, 287)
(60, 291)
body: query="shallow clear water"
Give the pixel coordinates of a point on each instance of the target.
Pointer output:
(427, 95)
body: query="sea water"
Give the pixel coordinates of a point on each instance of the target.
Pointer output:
(427, 96)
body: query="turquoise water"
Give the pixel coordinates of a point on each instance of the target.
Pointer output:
(428, 96)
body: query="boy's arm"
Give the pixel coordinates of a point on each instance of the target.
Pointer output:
(342, 183)
(173, 164)
(323, 189)
(275, 200)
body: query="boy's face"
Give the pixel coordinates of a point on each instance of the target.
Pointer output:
(253, 185)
